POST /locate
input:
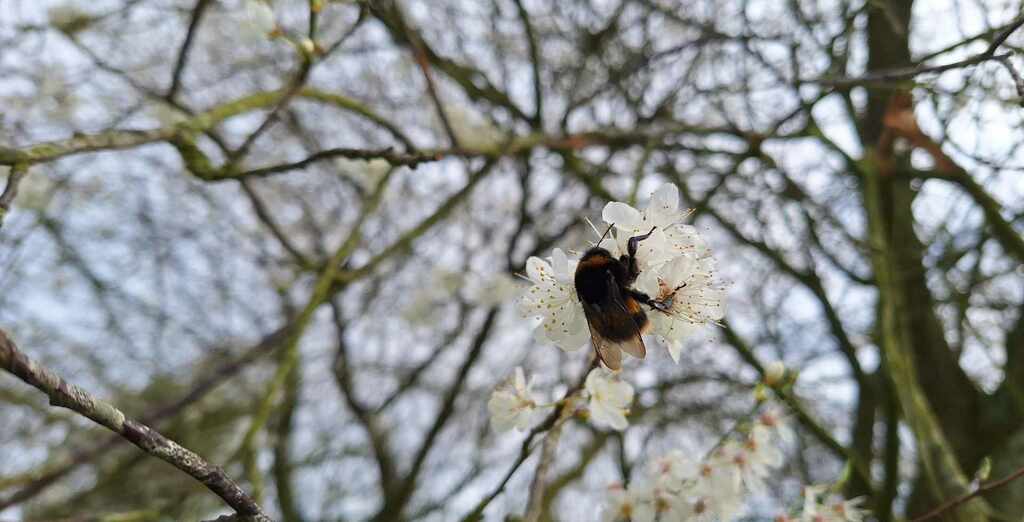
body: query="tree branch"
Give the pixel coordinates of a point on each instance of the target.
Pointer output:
(65, 395)
(981, 489)
(18, 172)
(186, 46)
(908, 73)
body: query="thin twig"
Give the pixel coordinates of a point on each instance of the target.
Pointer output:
(907, 73)
(18, 172)
(1018, 82)
(535, 505)
(186, 46)
(421, 60)
(535, 63)
(981, 489)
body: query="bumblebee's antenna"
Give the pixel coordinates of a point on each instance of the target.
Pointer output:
(609, 229)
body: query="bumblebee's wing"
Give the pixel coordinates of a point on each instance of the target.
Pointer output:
(613, 329)
(609, 352)
(634, 345)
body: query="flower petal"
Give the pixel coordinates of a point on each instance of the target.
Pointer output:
(663, 210)
(679, 271)
(648, 283)
(537, 268)
(674, 348)
(620, 393)
(623, 216)
(605, 415)
(559, 264)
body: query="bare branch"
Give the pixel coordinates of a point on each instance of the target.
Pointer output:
(18, 172)
(65, 395)
(909, 73)
(980, 490)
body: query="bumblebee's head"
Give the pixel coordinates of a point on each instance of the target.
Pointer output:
(596, 254)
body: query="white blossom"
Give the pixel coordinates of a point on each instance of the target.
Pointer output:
(848, 510)
(689, 295)
(696, 509)
(553, 297)
(755, 459)
(68, 17)
(422, 310)
(719, 487)
(775, 421)
(670, 237)
(821, 507)
(473, 131)
(495, 290)
(630, 222)
(764, 454)
(259, 19)
(628, 505)
(811, 495)
(512, 404)
(609, 398)
(676, 267)
(676, 488)
(427, 305)
(673, 469)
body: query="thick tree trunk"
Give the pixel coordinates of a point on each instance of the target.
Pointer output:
(937, 399)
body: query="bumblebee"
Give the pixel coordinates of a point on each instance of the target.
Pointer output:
(612, 308)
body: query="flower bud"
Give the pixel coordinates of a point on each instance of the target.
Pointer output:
(774, 372)
(760, 393)
(984, 470)
(308, 46)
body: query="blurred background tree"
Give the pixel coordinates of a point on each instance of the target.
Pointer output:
(285, 235)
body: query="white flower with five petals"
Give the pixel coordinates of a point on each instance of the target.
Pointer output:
(553, 297)
(691, 299)
(822, 507)
(259, 19)
(670, 237)
(773, 420)
(848, 510)
(609, 398)
(673, 469)
(512, 404)
(628, 505)
(718, 491)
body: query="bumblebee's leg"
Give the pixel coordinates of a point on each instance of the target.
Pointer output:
(641, 297)
(660, 305)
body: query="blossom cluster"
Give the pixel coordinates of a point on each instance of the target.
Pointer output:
(820, 506)
(513, 404)
(676, 269)
(676, 488)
